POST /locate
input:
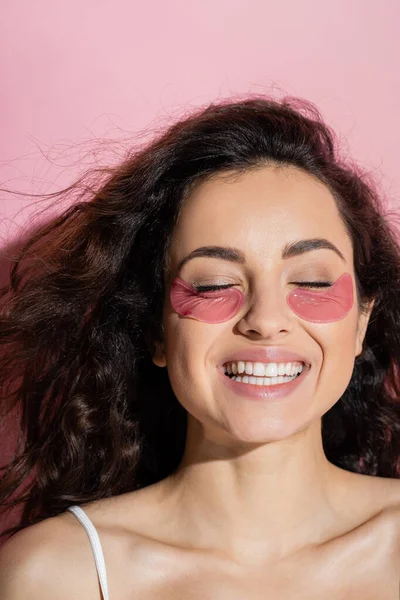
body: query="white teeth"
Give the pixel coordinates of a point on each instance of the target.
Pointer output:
(281, 369)
(249, 368)
(262, 380)
(259, 370)
(271, 370)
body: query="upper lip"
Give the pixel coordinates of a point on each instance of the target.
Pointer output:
(266, 354)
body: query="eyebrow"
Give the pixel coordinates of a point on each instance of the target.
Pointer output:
(234, 255)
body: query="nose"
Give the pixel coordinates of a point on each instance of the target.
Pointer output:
(268, 314)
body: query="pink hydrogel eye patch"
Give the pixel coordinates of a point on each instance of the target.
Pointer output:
(211, 307)
(324, 306)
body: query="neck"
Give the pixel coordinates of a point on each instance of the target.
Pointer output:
(276, 497)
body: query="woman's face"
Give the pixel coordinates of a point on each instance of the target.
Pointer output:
(258, 216)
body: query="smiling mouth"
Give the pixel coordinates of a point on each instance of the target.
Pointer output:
(264, 374)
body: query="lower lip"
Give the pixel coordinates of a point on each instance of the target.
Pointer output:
(278, 390)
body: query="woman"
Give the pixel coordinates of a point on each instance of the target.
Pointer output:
(209, 346)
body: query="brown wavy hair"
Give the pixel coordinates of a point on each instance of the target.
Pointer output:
(85, 295)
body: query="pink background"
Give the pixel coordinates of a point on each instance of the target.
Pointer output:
(75, 72)
(82, 69)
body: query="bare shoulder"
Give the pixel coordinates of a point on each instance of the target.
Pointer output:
(386, 521)
(390, 503)
(54, 559)
(391, 488)
(50, 559)
(391, 517)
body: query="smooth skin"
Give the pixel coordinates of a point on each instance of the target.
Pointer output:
(255, 511)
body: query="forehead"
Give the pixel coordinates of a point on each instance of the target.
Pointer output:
(259, 212)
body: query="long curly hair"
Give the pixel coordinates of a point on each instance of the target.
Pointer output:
(97, 418)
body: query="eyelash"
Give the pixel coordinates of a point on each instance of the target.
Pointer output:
(306, 284)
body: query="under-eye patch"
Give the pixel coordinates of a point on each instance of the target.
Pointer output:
(220, 305)
(213, 306)
(325, 306)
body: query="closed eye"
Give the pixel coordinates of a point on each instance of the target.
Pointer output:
(212, 288)
(312, 284)
(306, 284)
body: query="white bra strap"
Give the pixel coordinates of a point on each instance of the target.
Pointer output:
(96, 547)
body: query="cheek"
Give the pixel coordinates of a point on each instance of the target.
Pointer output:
(324, 307)
(189, 346)
(337, 343)
(333, 317)
(188, 343)
(334, 342)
